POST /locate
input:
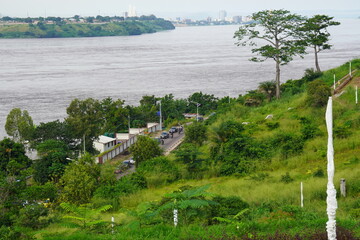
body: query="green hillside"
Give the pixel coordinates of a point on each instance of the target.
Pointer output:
(124, 28)
(237, 175)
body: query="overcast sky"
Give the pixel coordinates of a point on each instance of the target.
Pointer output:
(169, 8)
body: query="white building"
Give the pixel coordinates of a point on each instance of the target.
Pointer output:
(132, 11)
(222, 15)
(104, 143)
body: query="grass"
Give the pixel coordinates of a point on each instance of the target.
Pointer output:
(263, 190)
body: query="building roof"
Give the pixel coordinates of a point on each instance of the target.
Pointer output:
(104, 139)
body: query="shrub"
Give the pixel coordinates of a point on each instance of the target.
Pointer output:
(227, 207)
(318, 93)
(30, 216)
(272, 125)
(342, 131)
(286, 178)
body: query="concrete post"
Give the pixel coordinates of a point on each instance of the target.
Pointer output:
(343, 187)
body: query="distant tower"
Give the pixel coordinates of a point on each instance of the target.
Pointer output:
(132, 11)
(222, 15)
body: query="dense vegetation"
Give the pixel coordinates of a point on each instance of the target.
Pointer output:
(62, 29)
(237, 175)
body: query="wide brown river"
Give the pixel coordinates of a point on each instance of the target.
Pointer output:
(44, 75)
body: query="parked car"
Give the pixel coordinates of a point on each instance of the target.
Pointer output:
(173, 130)
(164, 135)
(129, 162)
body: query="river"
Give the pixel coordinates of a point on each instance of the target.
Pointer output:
(44, 75)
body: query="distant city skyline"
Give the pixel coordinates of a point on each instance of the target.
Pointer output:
(185, 9)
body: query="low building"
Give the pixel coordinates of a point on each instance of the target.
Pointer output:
(104, 143)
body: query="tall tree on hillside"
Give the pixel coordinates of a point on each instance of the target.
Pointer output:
(19, 125)
(145, 149)
(316, 35)
(85, 117)
(278, 33)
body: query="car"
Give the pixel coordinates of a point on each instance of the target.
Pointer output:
(173, 130)
(164, 135)
(131, 161)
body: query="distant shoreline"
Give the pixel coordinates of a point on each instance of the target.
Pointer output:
(68, 30)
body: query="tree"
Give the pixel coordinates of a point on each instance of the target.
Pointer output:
(52, 162)
(316, 35)
(19, 124)
(189, 155)
(86, 119)
(279, 29)
(12, 157)
(54, 130)
(195, 133)
(268, 88)
(207, 102)
(144, 149)
(80, 180)
(318, 93)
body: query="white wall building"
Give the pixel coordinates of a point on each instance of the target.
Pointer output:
(104, 143)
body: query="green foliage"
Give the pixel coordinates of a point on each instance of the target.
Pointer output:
(272, 125)
(315, 34)
(286, 178)
(55, 130)
(144, 149)
(254, 98)
(124, 186)
(228, 207)
(61, 29)
(280, 30)
(159, 171)
(318, 93)
(189, 155)
(84, 217)
(31, 216)
(12, 157)
(19, 125)
(189, 203)
(195, 133)
(289, 144)
(85, 118)
(342, 131)
(309, 129)
(207, 103)
(52, 162)
(80, 180)
(268, 88)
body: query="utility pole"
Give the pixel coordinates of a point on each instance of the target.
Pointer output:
(84, 142)
(160, 117)
(129, 123)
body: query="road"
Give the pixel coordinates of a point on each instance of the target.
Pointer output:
(172, 142)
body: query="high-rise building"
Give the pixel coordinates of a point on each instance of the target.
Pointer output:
(132, 11)
(222, 15)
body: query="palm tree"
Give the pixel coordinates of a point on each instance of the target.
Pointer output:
(268, 88)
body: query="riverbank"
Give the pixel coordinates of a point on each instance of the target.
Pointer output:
(124, 28)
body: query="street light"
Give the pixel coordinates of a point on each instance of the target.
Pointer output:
(160, 123)
(197, 110)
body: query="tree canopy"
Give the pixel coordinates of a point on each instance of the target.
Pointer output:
(19, 125)
(316, 35)
(144, 149)
(277, 33)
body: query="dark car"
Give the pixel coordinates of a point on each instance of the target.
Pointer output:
(173, 130)
(164, 135)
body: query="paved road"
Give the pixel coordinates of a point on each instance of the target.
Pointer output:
(172, 142)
